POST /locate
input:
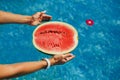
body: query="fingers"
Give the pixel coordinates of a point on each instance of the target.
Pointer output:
(68, 57)
(61, 58)
(46, 17)
(41, 16)
(38, 17)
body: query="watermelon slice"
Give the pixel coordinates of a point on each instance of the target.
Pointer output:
(55, 37)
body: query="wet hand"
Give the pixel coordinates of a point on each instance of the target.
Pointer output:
(61, 59)
(38, 17)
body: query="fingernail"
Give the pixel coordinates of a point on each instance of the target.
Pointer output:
(71, 53)
(44, 11)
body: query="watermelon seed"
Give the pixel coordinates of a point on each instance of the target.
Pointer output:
(56, 45)
(43, 32)
(50, 31)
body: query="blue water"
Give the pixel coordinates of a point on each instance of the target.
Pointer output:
(98, 52)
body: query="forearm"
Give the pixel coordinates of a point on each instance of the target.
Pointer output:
(14, 70)
(6, 17)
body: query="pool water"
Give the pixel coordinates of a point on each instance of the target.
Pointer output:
(98, 51)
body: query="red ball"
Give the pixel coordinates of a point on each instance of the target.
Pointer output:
(89, 22)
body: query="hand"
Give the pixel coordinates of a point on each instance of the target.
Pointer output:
(61, 59)
(38, 17)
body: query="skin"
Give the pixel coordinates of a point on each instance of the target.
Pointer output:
(19, 69)
(35, 19)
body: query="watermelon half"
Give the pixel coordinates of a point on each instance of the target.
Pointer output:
(55, 38)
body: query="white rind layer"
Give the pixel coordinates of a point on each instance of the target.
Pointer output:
(53, 52)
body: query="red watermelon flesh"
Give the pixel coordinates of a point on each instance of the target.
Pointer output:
(55, 38)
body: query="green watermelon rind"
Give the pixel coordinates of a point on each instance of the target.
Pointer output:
(51, 52)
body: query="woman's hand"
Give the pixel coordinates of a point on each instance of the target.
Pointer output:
(38, 17)
(61, 59)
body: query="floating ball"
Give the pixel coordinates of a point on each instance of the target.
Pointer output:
(89, 22)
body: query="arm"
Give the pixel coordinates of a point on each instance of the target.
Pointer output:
(19, 69)
(6, 17)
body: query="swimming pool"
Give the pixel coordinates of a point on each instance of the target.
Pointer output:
(98, 52)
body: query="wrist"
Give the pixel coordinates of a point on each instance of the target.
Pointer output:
(28, 20)
(48, 63)
(52, 61)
